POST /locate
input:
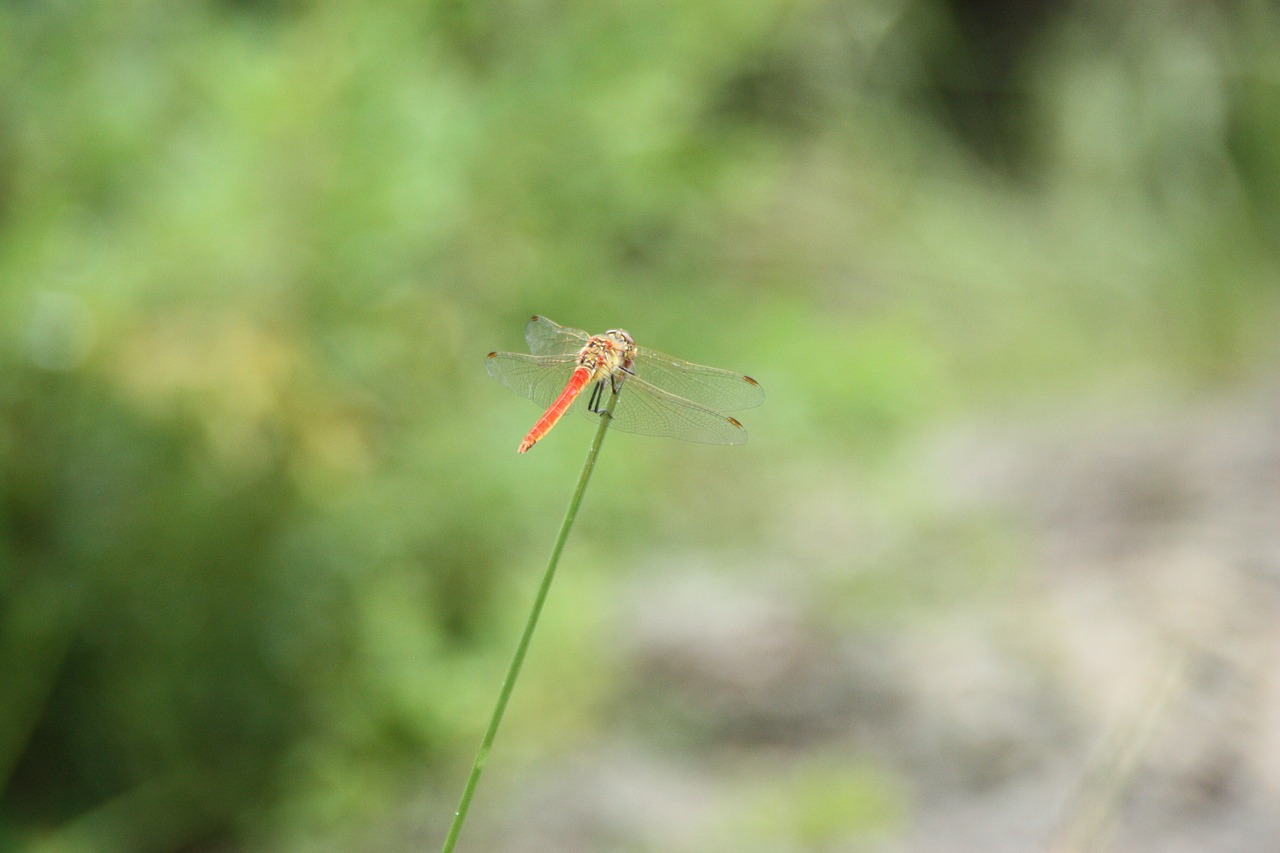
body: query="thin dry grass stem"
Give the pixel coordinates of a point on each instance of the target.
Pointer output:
(1107, 780)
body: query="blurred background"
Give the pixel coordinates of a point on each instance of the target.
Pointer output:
(997, 570)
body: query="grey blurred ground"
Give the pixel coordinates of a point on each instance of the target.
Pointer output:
(1121, 694)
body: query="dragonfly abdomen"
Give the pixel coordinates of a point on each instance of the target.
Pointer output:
(581, 376)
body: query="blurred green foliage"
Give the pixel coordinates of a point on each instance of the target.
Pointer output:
(263, 535)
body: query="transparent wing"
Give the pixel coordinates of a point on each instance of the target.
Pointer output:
(647, 410)
(547, 338)
(641, 408)
(707, 387)
(663, 396)
(541, 378)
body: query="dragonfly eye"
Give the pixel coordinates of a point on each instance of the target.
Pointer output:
(621, 335)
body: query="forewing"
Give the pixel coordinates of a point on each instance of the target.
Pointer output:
(547, 338)
(708, 387)
(541, 378)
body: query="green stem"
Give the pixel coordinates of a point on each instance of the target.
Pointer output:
(517, 661)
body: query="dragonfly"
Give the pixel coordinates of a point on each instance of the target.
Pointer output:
(664, 395)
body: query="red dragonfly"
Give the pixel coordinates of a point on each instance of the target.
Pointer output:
(663, 395)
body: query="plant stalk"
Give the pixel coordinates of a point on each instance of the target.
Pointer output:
(517, 660)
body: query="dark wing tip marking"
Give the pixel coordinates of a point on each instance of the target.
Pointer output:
(752, 381)
(535, 318)
(733, 421)
(491, 355)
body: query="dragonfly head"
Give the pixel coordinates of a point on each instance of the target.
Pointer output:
(625, 344)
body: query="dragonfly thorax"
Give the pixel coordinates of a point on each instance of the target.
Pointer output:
(608, 355)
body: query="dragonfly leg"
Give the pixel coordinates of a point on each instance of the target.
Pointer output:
(616, 381)
(596, 405)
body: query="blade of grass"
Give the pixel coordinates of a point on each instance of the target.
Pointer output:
(517, 660)
(1105, 784)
